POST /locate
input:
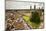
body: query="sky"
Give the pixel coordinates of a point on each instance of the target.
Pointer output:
(12, 4)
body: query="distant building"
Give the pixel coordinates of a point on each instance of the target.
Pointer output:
(39, 7)
(30, 7)
(34, 7)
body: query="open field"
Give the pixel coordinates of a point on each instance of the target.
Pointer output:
(22, 19)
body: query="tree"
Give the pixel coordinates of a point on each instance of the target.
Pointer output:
(35, 17)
